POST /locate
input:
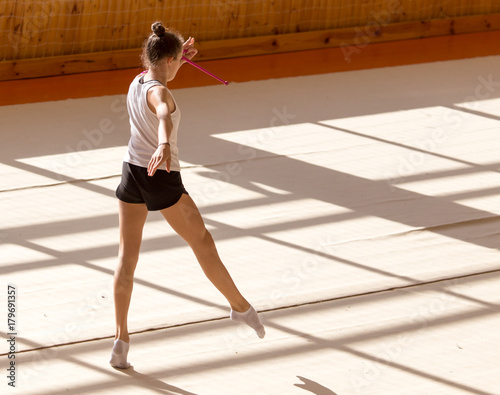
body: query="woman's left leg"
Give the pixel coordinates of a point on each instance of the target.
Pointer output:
(132, 219)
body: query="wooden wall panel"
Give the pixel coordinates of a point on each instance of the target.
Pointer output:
(41, 29)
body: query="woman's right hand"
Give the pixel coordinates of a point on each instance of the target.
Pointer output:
(188, 50)
(161, 155)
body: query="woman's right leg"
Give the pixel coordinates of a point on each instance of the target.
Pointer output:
(132, 219)
(186, 220)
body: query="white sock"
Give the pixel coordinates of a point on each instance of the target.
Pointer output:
(251, 318)
(119, 354)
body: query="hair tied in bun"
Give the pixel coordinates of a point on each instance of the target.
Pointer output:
(162, 42)
(158, 29)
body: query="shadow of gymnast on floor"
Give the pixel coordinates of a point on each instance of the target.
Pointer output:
(314, 387)
(147, 381)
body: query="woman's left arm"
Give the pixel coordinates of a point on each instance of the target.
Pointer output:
(158, 98)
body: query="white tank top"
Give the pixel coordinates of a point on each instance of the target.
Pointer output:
(144, 126)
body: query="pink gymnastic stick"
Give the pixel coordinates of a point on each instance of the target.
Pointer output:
(204, 70)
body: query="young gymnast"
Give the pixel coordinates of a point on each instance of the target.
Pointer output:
(151, 181)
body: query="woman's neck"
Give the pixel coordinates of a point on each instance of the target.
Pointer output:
(159, 74)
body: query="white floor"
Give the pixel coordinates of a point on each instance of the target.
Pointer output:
(358, 210)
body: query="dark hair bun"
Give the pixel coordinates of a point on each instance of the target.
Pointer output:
(158, 29)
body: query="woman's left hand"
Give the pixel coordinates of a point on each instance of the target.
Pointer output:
(161, 155)
(188, 49)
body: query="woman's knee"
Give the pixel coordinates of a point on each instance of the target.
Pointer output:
(127, 264)
(202, 241)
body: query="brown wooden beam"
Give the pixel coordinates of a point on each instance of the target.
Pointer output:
(250, 68)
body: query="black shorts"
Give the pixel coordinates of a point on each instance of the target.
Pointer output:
(160, 191)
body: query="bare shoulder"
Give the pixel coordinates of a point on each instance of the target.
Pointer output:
(159, 95)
